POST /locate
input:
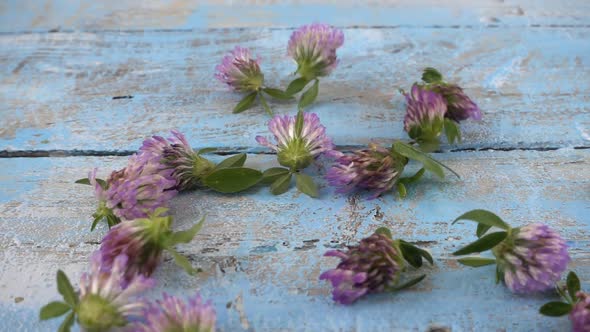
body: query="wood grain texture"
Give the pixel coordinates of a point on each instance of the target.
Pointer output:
(57, 89)
(525, 62)
(26, 15)
(261, 254)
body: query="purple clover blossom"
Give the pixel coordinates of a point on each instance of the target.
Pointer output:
(297, 150)
(173, 314)
(532, 258)
(459, 106)
(374, 169)
(371, 267)
(313, 47)
(140, 188)
(425, 113)
(142, 240)
(580, 314)
(105, 295)
(239, 71)
(187, 166)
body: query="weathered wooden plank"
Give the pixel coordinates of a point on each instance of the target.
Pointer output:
(56, 90)
(111, 14)
(457, 298)
(262, 253)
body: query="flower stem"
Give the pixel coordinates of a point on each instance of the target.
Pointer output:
(264, 103)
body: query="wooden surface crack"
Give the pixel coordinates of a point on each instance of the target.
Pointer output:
(108, 153)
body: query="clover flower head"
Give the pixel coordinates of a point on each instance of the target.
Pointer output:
(426, 109)
(580, 314)
(314, 47)
(240, 71)
(142, 240)
(105, 295)
(459, 106)
(140, 188)
(297, 147)
(187, 167)
(532, 258)
(174, 314)
(371, 267)
(375, 169)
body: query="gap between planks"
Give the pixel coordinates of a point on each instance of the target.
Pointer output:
(225, 152)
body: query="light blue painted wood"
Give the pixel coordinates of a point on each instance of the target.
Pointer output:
(56, 89)
(525, 63)
(19, 15)
(265, 251)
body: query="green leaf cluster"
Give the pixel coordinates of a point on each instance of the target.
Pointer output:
(229, 176)
(59, 308)
(429, 163)
(308, 96)
(567, 293)
(402, 182)
(181, 237)
(249, 100)
(411, 254)
(414, 255)
(279, 179)
(485, 220)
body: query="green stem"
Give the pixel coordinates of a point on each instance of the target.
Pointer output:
(264, 103)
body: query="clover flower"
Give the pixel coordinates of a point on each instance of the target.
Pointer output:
(173, 314)
(240, 71)
(529, 259)
(532, 258)
(371, 267)
(459, 106)
(140, 240)
(314, 47)
(143, 240)
(575, 303)
(103, 300)
(424, 119)
(580, 313)
(144, 185)
(297, 146)
(105, 295)
(140, 188)
(375, 169)
(187, 166)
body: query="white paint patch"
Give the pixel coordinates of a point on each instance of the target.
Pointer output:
(583, 131)
(503, 75)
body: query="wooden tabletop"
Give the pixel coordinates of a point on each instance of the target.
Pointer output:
(63, 64)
